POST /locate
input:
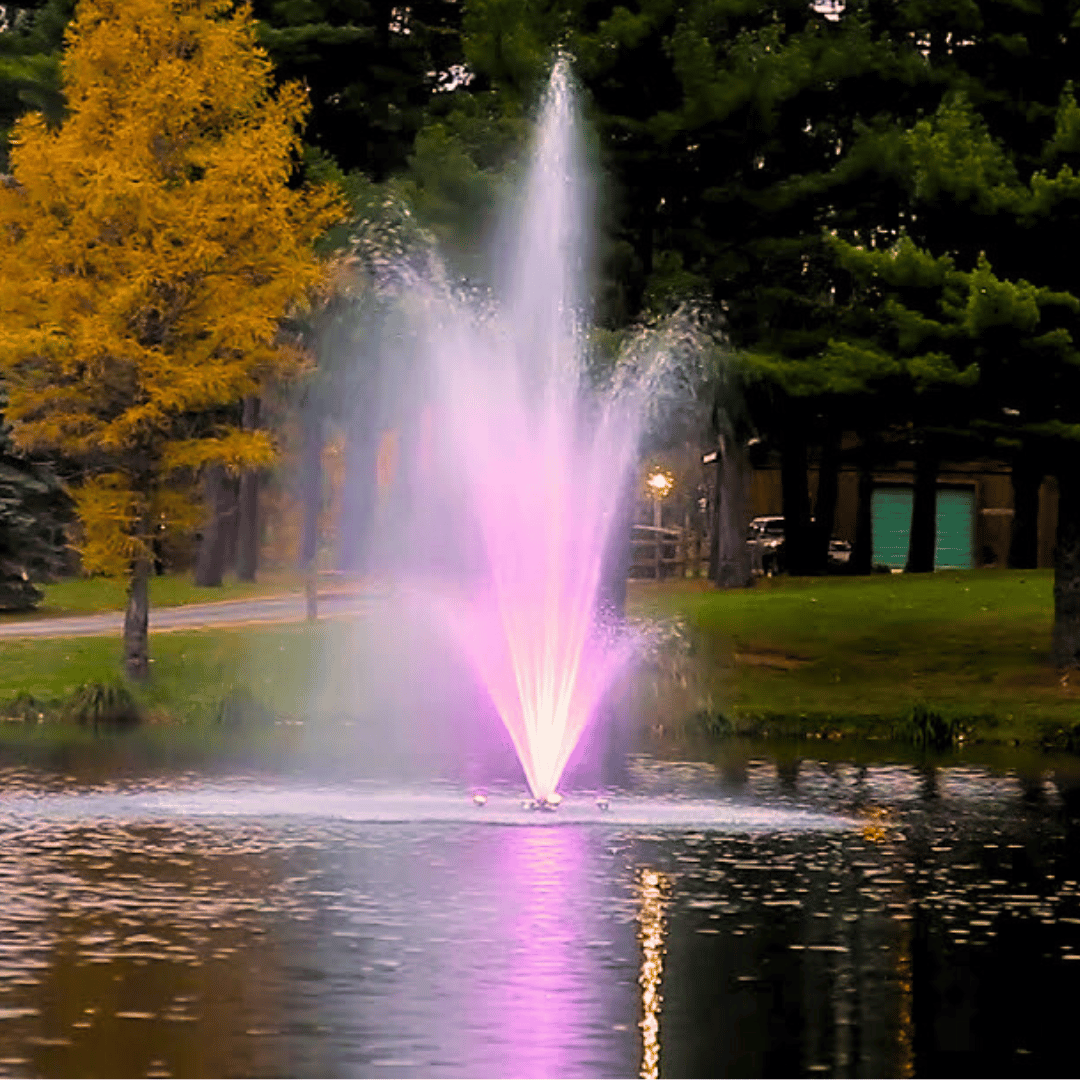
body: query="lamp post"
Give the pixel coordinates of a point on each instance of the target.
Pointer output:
(660, 484)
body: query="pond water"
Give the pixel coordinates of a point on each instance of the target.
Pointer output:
(766, 915)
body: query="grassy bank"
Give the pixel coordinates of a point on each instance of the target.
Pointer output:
(195, 676)
(859, 655)
(932, 656)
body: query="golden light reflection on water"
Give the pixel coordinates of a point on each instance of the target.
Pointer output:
(906, 1022)
(876, 819)
(652, 890)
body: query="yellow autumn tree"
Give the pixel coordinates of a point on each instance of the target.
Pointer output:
(149, 247)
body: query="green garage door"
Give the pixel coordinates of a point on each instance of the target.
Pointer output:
(955, 527)
(892, 525)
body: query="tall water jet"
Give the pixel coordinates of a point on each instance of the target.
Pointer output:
(536, 459)
(543, 460)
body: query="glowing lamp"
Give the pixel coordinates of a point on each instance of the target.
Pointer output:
(660, 483)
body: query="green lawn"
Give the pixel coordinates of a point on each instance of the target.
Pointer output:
(839, 652)
(787, 657)
(193, 673)
(83, 596)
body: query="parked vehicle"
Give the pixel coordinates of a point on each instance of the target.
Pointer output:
(839, 553)
(765, 539)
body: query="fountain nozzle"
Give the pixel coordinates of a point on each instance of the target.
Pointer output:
(547, 803)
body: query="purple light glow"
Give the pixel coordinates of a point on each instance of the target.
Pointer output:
(541, 464)
(539, 1003)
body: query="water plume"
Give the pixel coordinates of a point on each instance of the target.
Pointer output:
(540, 460)
(527, 462)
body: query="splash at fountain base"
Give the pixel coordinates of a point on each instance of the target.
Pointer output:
(548, 804)
(371, 804)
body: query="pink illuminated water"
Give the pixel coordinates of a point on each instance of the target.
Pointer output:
(541, 461)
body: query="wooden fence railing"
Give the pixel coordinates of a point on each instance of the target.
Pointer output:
(659, 553)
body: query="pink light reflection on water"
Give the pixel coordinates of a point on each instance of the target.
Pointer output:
(547, 996)
(529, 959)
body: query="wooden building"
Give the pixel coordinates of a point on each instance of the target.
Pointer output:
(974, 506)
(974, 511)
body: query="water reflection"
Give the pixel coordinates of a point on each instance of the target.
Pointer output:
(933, 938)
(652, 889)
(905, 1034)
(547, 980)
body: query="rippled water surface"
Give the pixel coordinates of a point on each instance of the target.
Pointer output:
(759, 917)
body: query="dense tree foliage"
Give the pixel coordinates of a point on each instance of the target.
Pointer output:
(371, 68)
(151, 244)
(973, 279)
(31, 36)
(871, 199)
(34, 515)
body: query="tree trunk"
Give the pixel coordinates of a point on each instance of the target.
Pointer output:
(1066, 636)
(825, 503)
(136, 622)
(247, 529)
(796, 500)
(1027, 475)
(359, 496)
(311, 592)
(716, 515)
(923, 540)
(230, 521)
(611, 595)
(311, 491)
(862, 556)
(221, 509)
(733, 482)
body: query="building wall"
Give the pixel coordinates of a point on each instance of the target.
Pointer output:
(991, 482)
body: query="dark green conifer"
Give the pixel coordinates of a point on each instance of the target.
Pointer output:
(34, 513)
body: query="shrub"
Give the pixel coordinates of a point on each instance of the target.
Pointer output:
(104, 705)
(710, 721)
(239, 707)
(928, 729)
(24, 708)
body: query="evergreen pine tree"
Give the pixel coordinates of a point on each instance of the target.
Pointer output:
(34, 514)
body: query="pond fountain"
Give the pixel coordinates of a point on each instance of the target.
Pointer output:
(162, 922)
(541, 462)
(215, 913)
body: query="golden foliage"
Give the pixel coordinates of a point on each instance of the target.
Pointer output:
(151, 245)
(174, 511)
(234, 449)
(109, 512)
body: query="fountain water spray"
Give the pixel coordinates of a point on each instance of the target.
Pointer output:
(541, 461)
